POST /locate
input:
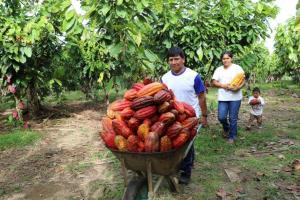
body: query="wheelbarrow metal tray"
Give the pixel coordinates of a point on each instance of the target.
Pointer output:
(162, 163)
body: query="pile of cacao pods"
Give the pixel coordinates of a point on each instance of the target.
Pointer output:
(148, 119)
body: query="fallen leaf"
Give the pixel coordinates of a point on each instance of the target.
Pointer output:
(281, 157)
(260, 174)
(287, 169)
(296, 165)
(222, 193)
(233, 175)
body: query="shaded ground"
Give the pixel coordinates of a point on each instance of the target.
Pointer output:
(71, 163)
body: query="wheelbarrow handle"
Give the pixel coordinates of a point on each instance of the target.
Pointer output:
(192, 141)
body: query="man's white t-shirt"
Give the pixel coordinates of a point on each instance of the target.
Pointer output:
(225, 76)
(258, 108)
(186, 87)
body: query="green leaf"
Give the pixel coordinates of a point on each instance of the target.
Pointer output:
(145, 3)
(105, 9)
(119, 2)
(115, 50)
(200, 53)
(121, 13)
(101, 76)
(27, 51)
(151, 56)
(167, 44)
(137, 38)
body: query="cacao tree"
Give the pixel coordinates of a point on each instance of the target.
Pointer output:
(29, 40)
(287, 48)
(204, 29)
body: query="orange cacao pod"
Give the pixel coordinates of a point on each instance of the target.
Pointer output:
(150, 89)
(121, 143)
(165, 144)
(119, 105)
(143, 131)
(130, 94)
(107, 125)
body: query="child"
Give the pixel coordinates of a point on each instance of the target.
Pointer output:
(257, 103)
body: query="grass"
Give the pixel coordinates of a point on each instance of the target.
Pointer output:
(77, 168)
(18, 138)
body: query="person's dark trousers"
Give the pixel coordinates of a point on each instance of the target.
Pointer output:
(231, 108)
(187, 163)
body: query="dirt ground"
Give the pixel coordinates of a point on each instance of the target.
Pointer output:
(63, 165)
(70, 162)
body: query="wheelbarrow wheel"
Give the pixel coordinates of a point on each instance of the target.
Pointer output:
(137, 189)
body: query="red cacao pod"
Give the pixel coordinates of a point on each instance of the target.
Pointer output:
(108, 139)
(164, 107)
(174, 130)
(178, 106)
(152, 142)
(121, 128)
(142, 102)
(189, 110)
(133, 123)
(138, 86)
(190, 123)
(132, 143)
(162, 96)
(159, 128)
(167, 118)
(107, 125)
(146, 112)
(127, 112)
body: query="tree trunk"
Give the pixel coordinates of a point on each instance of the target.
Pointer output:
(298, 75)
(33, 99)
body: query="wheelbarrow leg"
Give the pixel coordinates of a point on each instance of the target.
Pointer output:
(174, 184)
(149, 177)
(124, 171)
(161, 178)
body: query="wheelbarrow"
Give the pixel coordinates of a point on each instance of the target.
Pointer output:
(164, 164)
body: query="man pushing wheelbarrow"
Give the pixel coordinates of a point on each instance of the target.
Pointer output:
(152, 130)
(188, 87)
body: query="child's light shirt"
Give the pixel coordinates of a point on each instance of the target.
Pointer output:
(258, 108)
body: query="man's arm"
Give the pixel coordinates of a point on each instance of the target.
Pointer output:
(202, 103)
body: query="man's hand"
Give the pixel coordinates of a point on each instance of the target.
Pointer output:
(203, 121)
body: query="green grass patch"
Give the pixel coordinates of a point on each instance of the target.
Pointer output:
(79, 167)
(18, 138)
